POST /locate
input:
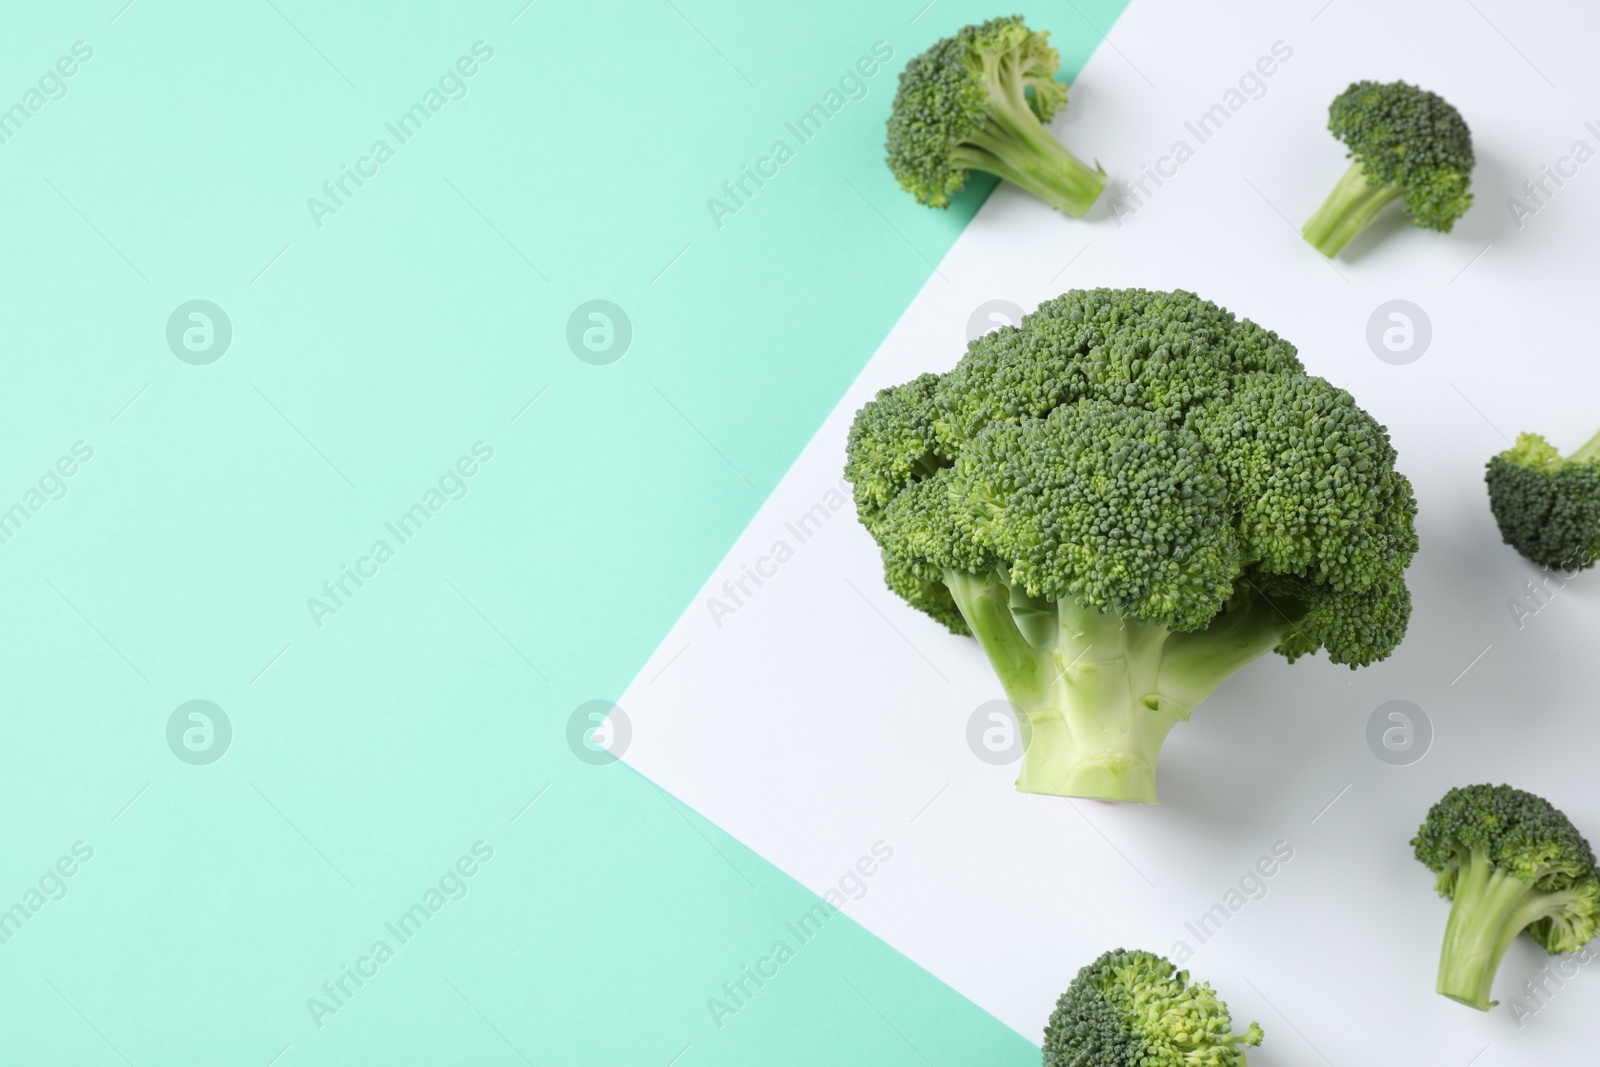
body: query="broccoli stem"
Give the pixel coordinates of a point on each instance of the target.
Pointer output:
(1482, 926)
(1099, 691)
(1349, 209)
(1043, 168)
(1490, 909)
(1590, 449)
(1013, 144)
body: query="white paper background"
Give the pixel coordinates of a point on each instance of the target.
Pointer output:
(824, 714)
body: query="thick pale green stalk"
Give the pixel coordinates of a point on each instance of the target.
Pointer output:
(1053, 175)
(1480, 930)
(1490, 908)
(1349, 209)
(1015, 146)
(1099, 694)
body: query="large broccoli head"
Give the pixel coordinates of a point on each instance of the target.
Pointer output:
(1148, 454)
(1548, 507)
(1509, 861)
(1134, 1009)
(976, 101)
(1408, 144)
(1129, 460)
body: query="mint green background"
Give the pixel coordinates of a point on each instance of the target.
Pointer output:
(411, 725)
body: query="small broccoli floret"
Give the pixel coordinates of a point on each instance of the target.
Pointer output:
(1407, 144)
(1125, 500)
(1510, 862)
(1133, 1009)
(1547, 507)
(977, 101)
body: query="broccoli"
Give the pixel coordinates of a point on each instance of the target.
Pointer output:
(1407, 143)
(1548, 508)
(976, 101)
(1125, 500)
(1510, 862)
(1130, 1009)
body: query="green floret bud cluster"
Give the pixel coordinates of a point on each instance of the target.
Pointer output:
(1125, 499)
(1547, 506)
(1134, 1009)
(1509, 862)
(977, 100)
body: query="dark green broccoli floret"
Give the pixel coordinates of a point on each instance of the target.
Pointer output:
(1548, 508)
(1132, 1009)
(1510, 862)
(1408, 144)
(1126, 499)
(977, 101)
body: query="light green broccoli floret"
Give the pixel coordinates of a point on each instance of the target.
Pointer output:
(1125, 500)
(976, 101)
(1408, 144)
(1134, 1009)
